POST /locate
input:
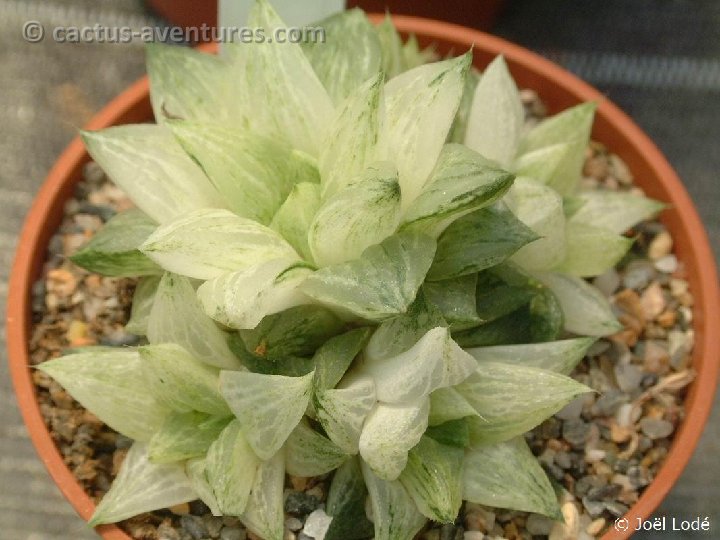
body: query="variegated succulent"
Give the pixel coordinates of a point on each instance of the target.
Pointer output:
(353, 258)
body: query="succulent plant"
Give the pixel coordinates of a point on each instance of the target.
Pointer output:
(353, 258)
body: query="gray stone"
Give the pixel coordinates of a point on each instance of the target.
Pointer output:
(451, 532)
(576, 432)
(572, 410)
(593, 507)
(538, 525)
(232, 533)
(608, 403)
(656, 428)
(628, 376)
(300, 503)
(195, 526)
(213, 525)
(638, 274)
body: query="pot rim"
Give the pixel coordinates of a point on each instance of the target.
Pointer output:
(32, 244)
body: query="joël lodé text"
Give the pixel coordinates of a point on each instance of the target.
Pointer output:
(673, 524)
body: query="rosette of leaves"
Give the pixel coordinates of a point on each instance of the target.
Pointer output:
(339, 271)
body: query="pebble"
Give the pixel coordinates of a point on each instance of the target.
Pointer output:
(656, 428)
(638, 274)
(317, 524)
(608, 403)
(571, 528)
(213, 524)
(653, 301)
(293, 524)
(595, 527)
(572, 410)
(667, 264)
(576, 432)
(474, 535)
(660, 246)
(233, 533)
(628, 376)
(608, 283)
(195, 526)
(450, 532)
(539, 525)
(299, 502)
(478, 518)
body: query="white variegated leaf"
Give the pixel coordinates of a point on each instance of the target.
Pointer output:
(558, 356)
(507, 475)
(151, 167)
(294, 217)
(390, 431)
(394, 513)
(356, 217)
(241, 299)
(268, 407)
(182, 382)
(342, 411)
(571, 127)
(381, 283)
(448, 404)
(177, 317)
(613, 211)
(286, 97)
(184, 436)
(433, 479)
(496, 116)
(254, 174)
(353, 135)
(264, 514)
(195, 469)
(435, 361)
(142, 486)
(540, 208)
(309, 454)
(420, 107)
(499, 393)
(591, 251)
(112, 385)
(542, 164)
(188, 84)
(206, 244)
(142, 303)
(230, 467)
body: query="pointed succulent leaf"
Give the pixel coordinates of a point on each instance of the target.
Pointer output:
(113, 250)
(462, 181)
(395, 514)
(297, 331)
(390, 431)
(292, 220)
(334, 357)
(558, 356)
(515, 327)
(112, 385)
(142, 303)
(391, 46)
(414, 56)
(286, 96)
(498, 392)
(495, 301)
(420, 107)
(446, 405)
(151, 167)
(177, 317)
(591, 251)
(455, 298)
(571, 127)
(206, 244)
(230, 467)
(435, 361)
(342, 411)
(433, 479)
(290, 366)
(252, 173)
(195, 470)
(267, 406)
(352, 137)
(455, 433)
(400, 333)
(542, 164)
(496, 117)
(346, 504)
(242, 299)
(182, 382)
(546, 316)
(477, 241)
(540, 208)
(615, 212)
(459, 127)
(264, 515)
(507, 475)
(142, 486)
(381, 283)
(184, 436)
(309, 454)
(357, 217)
(188, 84)
(586, 310)
(348, 56)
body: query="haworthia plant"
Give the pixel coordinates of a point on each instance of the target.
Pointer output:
(355, 260)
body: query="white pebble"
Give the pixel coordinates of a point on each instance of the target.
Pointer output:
(473, 535)
(667, 264)
(317, 524)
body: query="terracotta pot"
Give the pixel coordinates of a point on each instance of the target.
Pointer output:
(559, 90)
(187, 13)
